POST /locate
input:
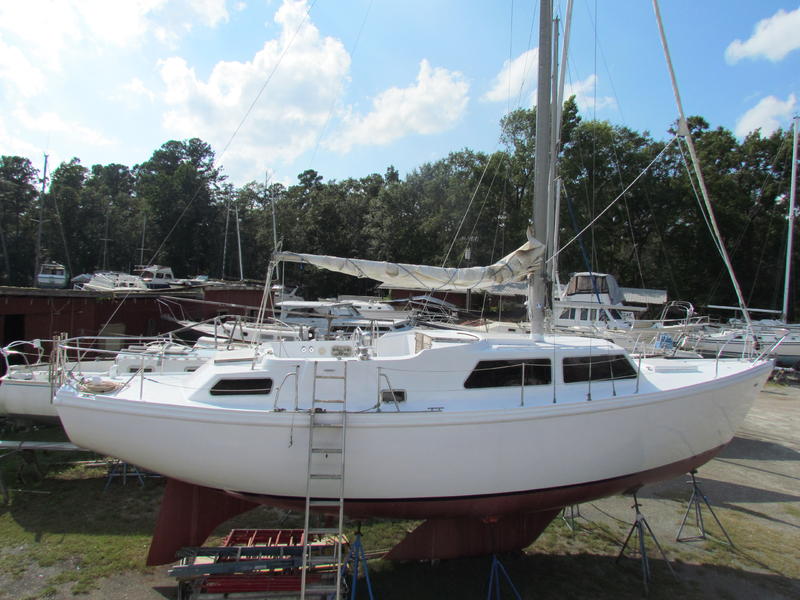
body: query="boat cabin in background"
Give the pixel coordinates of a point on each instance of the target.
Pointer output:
(52, 275)
(597, 300)
(155, 276)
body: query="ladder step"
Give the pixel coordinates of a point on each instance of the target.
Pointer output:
(329, 425)
(326, 450)
(322, 560)
(330, 377)
(320, 401)
(331, 502)
(321, 589)
(324, 476)
(323, 530)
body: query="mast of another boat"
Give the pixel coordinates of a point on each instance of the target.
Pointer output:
(239, 243)
(792, 191)
(683, 131)
(537, 283)
(38, 265)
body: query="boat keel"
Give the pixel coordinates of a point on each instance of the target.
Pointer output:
(188, 515)
(457, 538)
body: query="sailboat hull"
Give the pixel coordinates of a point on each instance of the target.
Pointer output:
(431, 463)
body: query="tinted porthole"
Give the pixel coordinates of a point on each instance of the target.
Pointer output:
(597, 367)
(241, 387)
(509, 373)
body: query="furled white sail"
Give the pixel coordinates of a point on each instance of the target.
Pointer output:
(516, 266)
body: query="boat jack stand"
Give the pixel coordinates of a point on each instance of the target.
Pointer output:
(357, 557)
(569, 514)
(695, 502)
(496, 571)
(641, 527)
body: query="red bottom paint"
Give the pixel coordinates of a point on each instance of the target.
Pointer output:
(454, 527)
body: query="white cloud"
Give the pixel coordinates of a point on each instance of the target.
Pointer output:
(212, 12)
(435, 103)
(773, 38)
(768, 115)
(44, 30)
(132, 92)
(585, 94)
(13, 145)
(51, 123)
(517, 78)
(17, 72)
(304, 75)
(517, 81)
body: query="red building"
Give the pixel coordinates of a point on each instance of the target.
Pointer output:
(32, 313)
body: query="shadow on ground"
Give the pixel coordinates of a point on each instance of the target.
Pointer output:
(544, 576)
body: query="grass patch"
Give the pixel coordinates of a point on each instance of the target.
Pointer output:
(65, 530)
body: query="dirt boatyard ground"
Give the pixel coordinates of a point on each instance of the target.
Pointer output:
(66, 536)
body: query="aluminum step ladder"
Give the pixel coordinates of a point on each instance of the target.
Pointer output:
(325, 482)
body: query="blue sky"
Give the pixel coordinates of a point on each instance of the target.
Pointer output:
(350, 87)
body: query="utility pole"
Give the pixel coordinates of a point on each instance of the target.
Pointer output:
(39, 229)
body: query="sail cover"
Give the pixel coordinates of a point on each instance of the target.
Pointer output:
(525, 260)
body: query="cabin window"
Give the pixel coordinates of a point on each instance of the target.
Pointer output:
(584, 314)
(393, 396)
(597, 367)
(240, 387)
(587, 284)
(509, 373)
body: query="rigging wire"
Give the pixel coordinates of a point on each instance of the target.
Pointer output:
(352, 52)
(613, 202)
(684, 130)
(224, 150)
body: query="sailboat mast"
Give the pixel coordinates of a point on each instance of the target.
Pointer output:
(239, 245)
(558, 94)
(39, 228)
(541, 182)
(792, 191)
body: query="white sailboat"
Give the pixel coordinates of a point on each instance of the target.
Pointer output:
(492, 434)
(32, 373)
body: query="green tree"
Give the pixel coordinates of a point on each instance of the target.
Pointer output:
(71, 230)
(18, 219)
(178, 187)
